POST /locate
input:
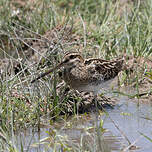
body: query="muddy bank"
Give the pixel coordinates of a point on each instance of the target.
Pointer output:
(47, 50)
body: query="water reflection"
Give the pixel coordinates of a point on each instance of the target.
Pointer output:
(130, 117)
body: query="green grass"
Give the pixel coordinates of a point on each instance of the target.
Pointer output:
(101, 28)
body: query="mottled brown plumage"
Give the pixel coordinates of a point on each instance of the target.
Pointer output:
(87, 75)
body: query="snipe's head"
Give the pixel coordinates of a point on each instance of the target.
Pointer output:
(72, 60)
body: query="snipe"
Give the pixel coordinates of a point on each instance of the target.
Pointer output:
(88, 75)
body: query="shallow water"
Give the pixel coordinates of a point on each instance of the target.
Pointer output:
(131, 118)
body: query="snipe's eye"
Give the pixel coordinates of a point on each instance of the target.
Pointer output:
(72, 57)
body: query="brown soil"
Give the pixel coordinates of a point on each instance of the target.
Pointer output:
(138, 79)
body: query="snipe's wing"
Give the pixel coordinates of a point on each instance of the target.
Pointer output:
(108, 69)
